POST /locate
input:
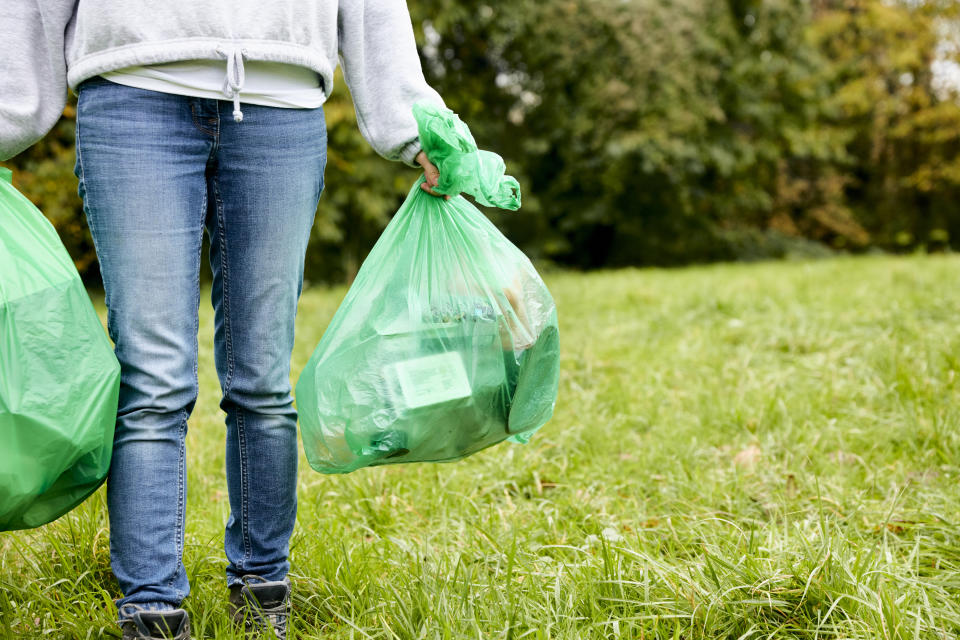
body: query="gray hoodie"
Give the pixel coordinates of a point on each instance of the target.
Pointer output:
(50, 44)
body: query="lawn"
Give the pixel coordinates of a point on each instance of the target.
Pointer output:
(738, 451)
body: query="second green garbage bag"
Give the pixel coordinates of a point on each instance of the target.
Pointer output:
(59, 379)
(447, 341)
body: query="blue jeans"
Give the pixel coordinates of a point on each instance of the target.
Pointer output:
(155, 170)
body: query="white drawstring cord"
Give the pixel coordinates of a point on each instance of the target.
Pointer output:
(234, 80)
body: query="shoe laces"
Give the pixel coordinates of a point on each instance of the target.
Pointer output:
(277, 616)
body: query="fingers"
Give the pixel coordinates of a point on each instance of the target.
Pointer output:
(430, 171)
(431, 175)
(426, 187)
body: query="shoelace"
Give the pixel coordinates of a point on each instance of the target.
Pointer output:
(234, 80)
(277, 616)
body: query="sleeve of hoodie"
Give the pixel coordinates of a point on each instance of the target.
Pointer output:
(33, 71)
(382, 69)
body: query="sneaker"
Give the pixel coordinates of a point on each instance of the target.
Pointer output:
(156, 625)
(261, 606)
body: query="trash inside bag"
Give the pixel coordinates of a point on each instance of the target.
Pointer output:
(59, 379)
(447, 341)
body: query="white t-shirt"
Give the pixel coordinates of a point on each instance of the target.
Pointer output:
(270, 84)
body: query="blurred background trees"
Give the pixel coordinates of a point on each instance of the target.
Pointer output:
(657, 131)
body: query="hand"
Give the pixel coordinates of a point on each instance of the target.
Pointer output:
(431, 175)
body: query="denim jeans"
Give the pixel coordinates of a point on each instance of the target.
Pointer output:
(155, 171)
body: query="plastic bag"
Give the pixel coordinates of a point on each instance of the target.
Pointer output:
(447, 341)
(59, 379)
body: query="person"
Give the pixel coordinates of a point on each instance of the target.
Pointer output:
(194, 117)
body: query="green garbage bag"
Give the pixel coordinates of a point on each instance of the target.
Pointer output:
(59, 379)
(447, 341)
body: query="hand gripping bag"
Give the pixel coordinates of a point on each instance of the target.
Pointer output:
(447, 341)
(59, 379)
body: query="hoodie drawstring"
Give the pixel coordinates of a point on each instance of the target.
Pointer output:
(233, 82)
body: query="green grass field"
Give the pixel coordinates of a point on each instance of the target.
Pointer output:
(738, 451)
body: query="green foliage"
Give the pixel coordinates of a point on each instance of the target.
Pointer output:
(739, 451)
(657, 131)
(361, 192)
(902, 173)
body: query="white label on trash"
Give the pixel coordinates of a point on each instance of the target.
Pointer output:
(432, 379)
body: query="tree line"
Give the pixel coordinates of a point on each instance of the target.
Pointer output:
(655, 132)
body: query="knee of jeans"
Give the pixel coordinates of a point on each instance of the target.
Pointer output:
(157, 392)
(157, 381)
(158, 364)
(261, 395)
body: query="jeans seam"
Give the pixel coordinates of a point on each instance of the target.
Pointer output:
(196, 317)
(181, 471)
(77, 135)
(181, 501)
(244, 484)
(228, 379)
(225, 296)
(80, 178)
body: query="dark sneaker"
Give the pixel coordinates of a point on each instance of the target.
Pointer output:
(157, 625)
(261, 607)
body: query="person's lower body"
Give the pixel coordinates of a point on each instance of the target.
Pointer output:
(155, 171)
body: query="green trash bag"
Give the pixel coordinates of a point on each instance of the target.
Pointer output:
(447, 341)
(59, 379)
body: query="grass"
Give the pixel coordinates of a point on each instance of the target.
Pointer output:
(738, 451)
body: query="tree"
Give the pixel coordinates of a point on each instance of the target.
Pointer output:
(902, 171)
(655, 131)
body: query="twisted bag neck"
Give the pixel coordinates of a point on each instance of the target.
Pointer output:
(235, 78)
(449, 144)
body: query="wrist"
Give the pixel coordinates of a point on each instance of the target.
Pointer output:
(410, 151)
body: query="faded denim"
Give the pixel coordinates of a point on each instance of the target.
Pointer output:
(155, 171)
